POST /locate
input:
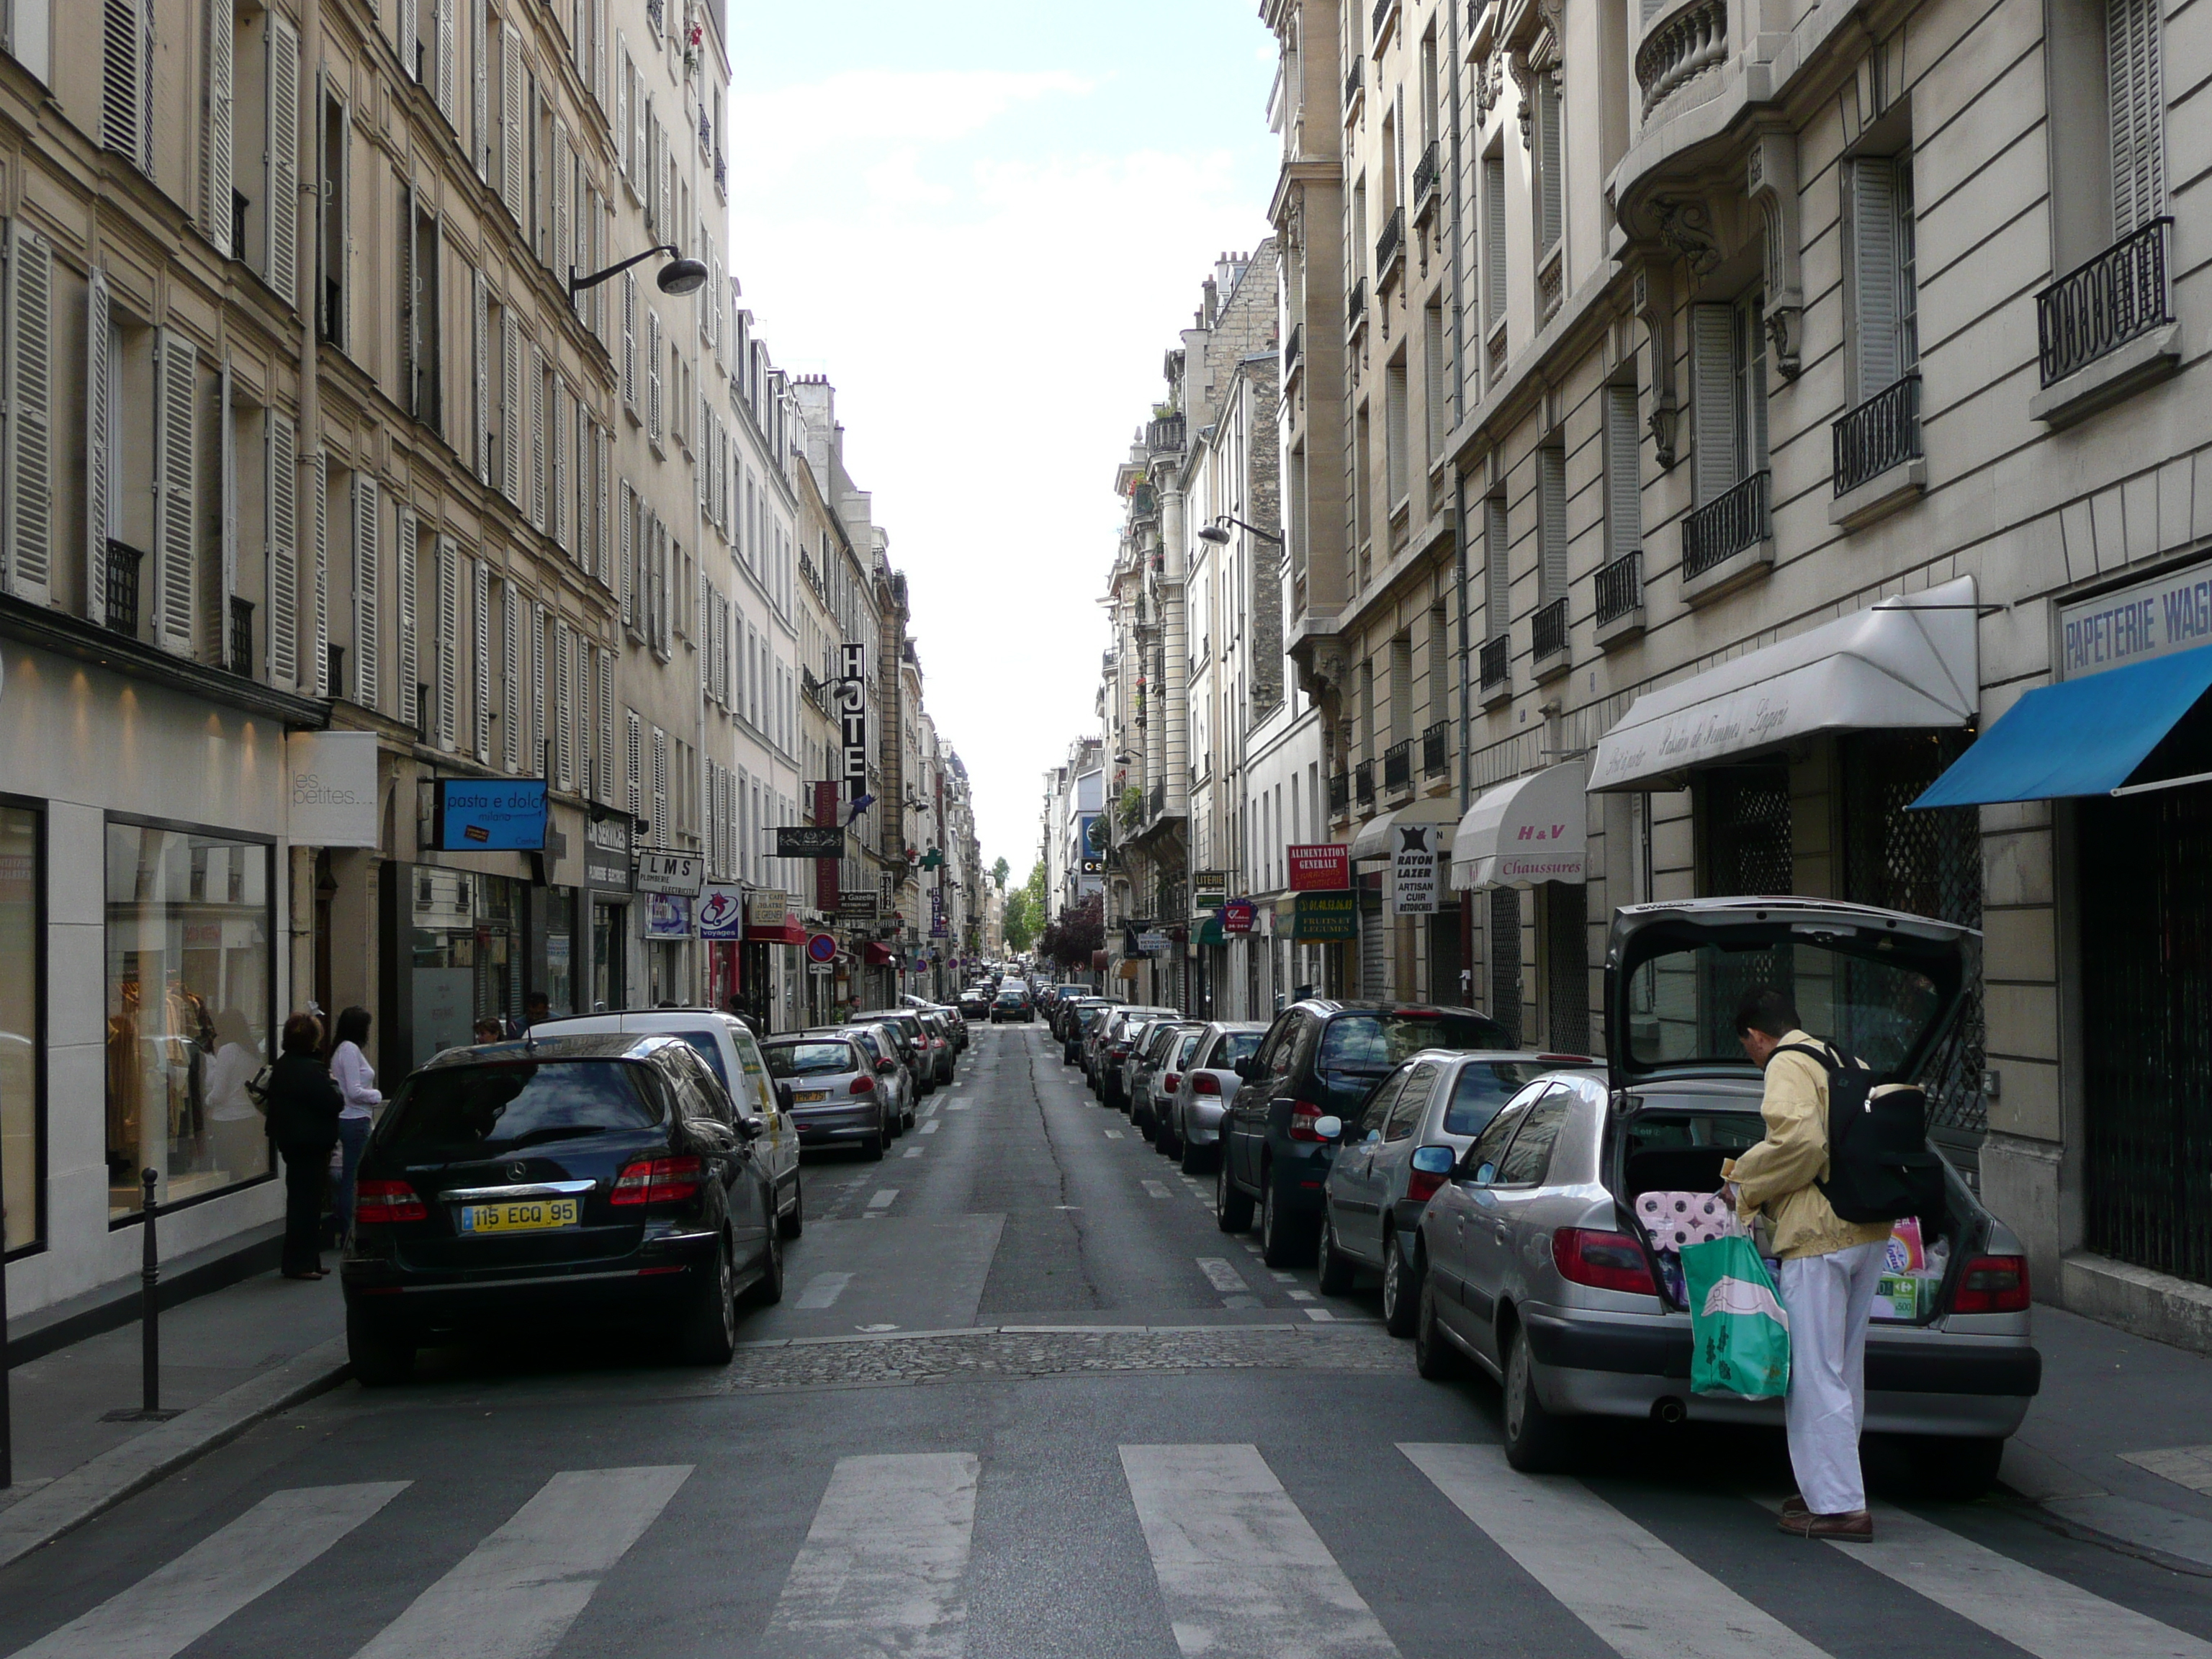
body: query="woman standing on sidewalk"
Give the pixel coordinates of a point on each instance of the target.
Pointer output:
(303, 1121)
(356, 1081)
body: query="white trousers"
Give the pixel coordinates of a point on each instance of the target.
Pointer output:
(1829, 1298)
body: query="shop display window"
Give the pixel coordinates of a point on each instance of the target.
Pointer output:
(466, 956)
(190, 986)
(22, 961)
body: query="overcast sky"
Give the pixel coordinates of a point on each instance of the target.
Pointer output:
(985, 221)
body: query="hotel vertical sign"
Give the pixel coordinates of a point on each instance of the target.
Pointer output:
(853, 715)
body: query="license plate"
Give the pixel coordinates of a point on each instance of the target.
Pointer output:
(523, 1216)
(805, 1095)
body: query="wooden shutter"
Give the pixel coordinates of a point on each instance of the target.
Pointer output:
(1871, 182)
(563, 698)
(409, 673)
(606, 781)
(319, 636)
(653, 375)
(343, 179)
(480, 346)
(1496, 571)
(1713, 391)
(640, 145)
(218, 616)
(625, 551)
(126, 69)
(633, 762)
(538, 761)
(27, 551)
(510, 677)
(98, 392)
(480, 86)
(448, 643)
(480, 681)
(622, 103)
(660, 837)
(600, 51)
(604, 540)
(175, 501)
(410, 292)
(564, 207)
(368, 613)
(1623, 491)
(1552, 522)
(1493, 237)
(629, 342)
(510, 122)
(282, 522)
(536, 437)
(1551, 164)
(448, 85)
(563, 506)
(510, 406)
(281, 257)
(217, 124)
(2135, 83)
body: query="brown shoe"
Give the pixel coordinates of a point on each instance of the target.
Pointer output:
(1794, 1504)
(1851, 1527)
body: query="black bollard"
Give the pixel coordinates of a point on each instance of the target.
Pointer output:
(149, 1316)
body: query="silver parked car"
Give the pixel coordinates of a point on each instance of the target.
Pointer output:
(1210, 1082)
(1169, 1084)
(1142, 1071)
(837, 1099)
(884, 1042)
(1412, 1130)
(1534, 1265)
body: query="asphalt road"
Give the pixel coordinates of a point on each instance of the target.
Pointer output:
(1024, 1399)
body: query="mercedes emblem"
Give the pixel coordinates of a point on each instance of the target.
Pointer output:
(517, 1171)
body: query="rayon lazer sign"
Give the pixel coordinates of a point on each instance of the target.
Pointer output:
(1413, 871)
(853, 713)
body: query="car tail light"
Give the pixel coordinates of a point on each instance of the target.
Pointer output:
(1171, 1082)
(1205, 1082)
(1430, 1168)
(1992, 1283)
(377, 1202)
(863, 1085)
(1608, 1261)
(1416, 1014)
(1564, 1059)
(1303, 1115)
(658, 1180)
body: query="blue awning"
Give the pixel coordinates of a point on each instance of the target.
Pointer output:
(2089, 737)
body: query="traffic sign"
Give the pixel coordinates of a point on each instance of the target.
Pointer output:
(821, 947)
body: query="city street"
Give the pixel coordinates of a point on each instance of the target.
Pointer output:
(1023, 1398)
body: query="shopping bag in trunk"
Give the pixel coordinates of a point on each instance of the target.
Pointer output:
(1738, 1330)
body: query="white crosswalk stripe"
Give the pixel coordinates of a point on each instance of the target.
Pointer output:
(1640, 1597)
(1244, 1576)
(517, 1593)
(172, 1608)
(884, 1566)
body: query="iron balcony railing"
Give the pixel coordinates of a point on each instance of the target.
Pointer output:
(1157, 803)
(2125, 291)
(1398, 765)
(122, 587)
(1425, 174)
(1291, 342)
(1435, 755)
(1390, 246)
(1882, 431)
(1355, 307)
(241, 637)
(1619, 587)
(1495, 657)
(1725, 525)
(1362, 782)
(1351, 80)
(1376, 20)
(1548, 629)
(1165, 433)
(1339, 790)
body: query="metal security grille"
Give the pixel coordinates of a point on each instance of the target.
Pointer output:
(1375, 930)
(1928, 864)
(1747, 852)
(1566, 966)
(2147, 998)
(1505, 961)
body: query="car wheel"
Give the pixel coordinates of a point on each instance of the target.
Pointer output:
(767, 1289)
(895, 1126)
(906, 1118)
(1145, 1127)
(1401, 1290)
(1164, 1143)
(709, 1334)
(1338, 1272)
(873, 1147)
(1958, 1467)
(1232, 1209)
(379, 1358)
(792, 1222)
(1434, 1356)
(1536, 1442)
(1283, 1242)
(1196, 1160)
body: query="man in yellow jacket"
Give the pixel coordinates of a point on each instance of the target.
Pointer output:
(1829, 1270)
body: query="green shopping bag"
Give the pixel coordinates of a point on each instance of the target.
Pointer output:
(1738, 1330)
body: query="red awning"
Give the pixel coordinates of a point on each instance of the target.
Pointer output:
(880, 956)
(789, 932)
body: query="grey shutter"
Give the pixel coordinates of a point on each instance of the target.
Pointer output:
(175, 500)
(536, 761)
(367, 598)
(625, 552)
(448, 644)
(1872, 181)
(607, 789)
(123, 71)
(30, 38)
(622, 103)
(319, 636)
(600, 51)
(27, 548)
(629, 342)
(660, 837)
(1552, 522)
(2135, 81)
(561, 509)
(564, 208)
(407, 550)
(1493, 237)
(98, 392)
(640, 145)
(449, 67)
(480, 88)
(410, 40)
(510, 122)
(1497, 576)
(563, 719)
(480, 345)
(1712, 391)
(633, 761)
(217, 124)
(283, 550)
(1624, 492)
(1551, 158)
(281, 258)
(536, 437)
(218, 609)
(653, 375)
(411, 288)
(480, 681)
(510, 406)
(343, 177)
(605, 486)
(510, 679)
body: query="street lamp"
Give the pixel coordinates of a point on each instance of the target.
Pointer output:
(1217, 532)
(679, 276)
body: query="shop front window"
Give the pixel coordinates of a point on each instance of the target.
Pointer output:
(188, 1011)
(467, 955)
(560, 981)
(21, 1159)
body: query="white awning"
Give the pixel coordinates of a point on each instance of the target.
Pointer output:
(1375, 840)
(1534, 828)
(1907, 663)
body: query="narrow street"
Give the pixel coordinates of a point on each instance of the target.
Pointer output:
(1023, 1398)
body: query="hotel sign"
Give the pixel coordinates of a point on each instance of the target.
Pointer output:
(853, 714)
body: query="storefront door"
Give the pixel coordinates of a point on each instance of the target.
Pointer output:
(610, 969)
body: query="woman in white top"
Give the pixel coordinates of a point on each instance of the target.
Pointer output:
(239, 1140)
(356, 1081)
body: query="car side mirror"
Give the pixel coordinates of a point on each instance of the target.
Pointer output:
(1242, 1068)
(783, 1097)
(751, 1128)
(1329, 1128)
(1434, 1160)
(887, 1065)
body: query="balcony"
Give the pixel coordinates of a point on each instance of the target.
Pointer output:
(1436, 750)
(2107, 326)
(1389, 249)
(1496, 661)
(1355, 307)
(1165, 435)
(1878, 465)
(122, 587)
(1157, 802)
(721, 172)
(240, 657)
(1679, 47)
(1548, 634)
(1362, 782)
(1427, 172)
(1620, 599)
(1379, 22)
(1354, 78)
(1398, 766)
(1291, 342)
(1727, 540)
(1340, 792)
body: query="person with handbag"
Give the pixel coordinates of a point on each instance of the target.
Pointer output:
(1831, 1267)
(356, 1081)
(303, 1121)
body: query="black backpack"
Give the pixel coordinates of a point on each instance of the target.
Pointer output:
(1879, 1167)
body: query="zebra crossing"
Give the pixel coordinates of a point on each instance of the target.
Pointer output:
(1241, 1569)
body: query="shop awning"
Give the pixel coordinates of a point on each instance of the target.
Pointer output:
(1375, 840)
(879, 955)
(790, 931)
(1907, 663)
(2121, 732)
(1534, 828)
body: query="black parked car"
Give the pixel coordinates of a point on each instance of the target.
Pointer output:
(547, 1184)
(1013, 1003)
(1321, 1058)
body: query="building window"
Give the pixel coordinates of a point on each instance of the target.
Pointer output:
(1728, 348)
(1624, 492)
(22, 1026)
(1493, 237)
(1884, 294)
(190, 919)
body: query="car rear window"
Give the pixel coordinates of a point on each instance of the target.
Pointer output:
(809, 1059)
(1235, 1046)
(710, 1050)
(1377, 1043)
(468, 1111)
(1483, 1087)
